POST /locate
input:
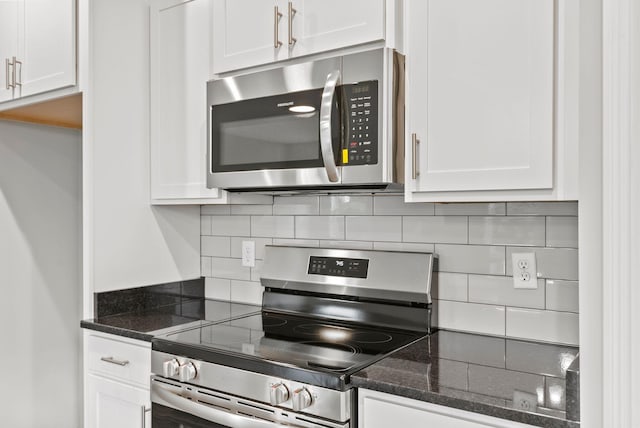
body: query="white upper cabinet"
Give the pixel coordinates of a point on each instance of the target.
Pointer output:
(322, 25)
(180, 68)
(37, 46)
(481, 105)
(47, 46)
(8, 46)
(247, 33)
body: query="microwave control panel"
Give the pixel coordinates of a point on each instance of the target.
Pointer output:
(362, 120)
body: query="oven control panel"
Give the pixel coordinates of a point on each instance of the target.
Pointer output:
(338, 266)
(362, 123)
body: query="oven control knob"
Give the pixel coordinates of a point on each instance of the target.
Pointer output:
(187, 372)
(279, 394)
(171, 368)
(301, 399)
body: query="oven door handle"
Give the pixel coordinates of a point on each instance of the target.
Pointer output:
(168, 397)
(326, 143)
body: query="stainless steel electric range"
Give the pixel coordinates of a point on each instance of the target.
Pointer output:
(326, 314)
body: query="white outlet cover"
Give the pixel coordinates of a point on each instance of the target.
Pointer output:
(248, 253)
(527, 277)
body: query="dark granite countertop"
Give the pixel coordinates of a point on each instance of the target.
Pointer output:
(145, 324)
(488, 375)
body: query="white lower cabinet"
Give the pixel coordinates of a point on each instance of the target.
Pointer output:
(380, 410)
(117, 375)
(115, 405)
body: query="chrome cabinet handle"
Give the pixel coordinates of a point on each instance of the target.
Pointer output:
(276, 22)
(292, 12)
(326, 142)
(144, 416)
(414, 156)
(7, 64)
(111, 360)
(18, 81)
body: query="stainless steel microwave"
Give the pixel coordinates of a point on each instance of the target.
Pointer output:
(331, 124)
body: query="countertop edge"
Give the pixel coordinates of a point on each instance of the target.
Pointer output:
(470, 406)
(131, 334)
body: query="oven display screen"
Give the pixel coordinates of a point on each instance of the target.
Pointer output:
(338, 266)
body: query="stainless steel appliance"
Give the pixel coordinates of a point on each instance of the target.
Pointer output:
(327, 124)
(326, 314)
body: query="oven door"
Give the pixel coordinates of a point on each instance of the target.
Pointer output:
(181, 405)
(276, 128)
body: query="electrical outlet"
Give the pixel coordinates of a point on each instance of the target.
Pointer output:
(249, 253)
(525, 401)
(525, 274)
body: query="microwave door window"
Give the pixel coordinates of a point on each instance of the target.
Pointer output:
(277, 132)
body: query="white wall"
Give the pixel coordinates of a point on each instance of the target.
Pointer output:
(40, 276)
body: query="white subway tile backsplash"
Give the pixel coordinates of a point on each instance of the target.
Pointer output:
(553, 263)
(498, 290)
(369, 228)
(472, 317)
(231, 225)
(246, 292)
(492, 208)
(404, 246)
(215, 210)
(450, 286)
(562, 295)
(227, 268)
(481, 259)
(562, 232)
(394, 205)
(205, 225)
(215, 246)
(346, 205)
(297, 242)
(272, 226)
(353, 245)
(473, 243)
(256, 271)
(296, 205)
(251, 209)
(320, 227)
(507, 231)
(249, 199)
(205, 266)
(542, 208)
(236, 246)
(216, 288)
(548, 326)
(436, 229)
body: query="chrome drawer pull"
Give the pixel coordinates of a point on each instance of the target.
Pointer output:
(116, 362)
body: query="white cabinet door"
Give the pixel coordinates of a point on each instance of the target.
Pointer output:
(8, 45)
(480, 94)
(180, 68)
(380, 410)
(47, 45)
(113, 404)
(246, 32)
(321, 25)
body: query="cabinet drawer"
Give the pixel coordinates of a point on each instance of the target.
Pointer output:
(126, 361)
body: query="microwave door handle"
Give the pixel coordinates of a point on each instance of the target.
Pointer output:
(326, 143)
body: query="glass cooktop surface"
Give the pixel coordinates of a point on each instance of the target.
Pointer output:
(302, 342)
